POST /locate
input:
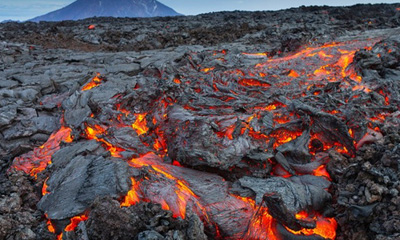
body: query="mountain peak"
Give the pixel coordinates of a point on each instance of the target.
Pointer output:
(81, 9)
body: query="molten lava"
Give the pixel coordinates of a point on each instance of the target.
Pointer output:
(132, 197)
(75, 221)
(96, 133)
(140, 125)
(96, 80)
(167, 185)
(37, 160)
(325, 227)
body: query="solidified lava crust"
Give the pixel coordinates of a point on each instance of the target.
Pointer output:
(231, 125)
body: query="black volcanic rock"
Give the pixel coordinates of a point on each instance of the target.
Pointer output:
(81, 9)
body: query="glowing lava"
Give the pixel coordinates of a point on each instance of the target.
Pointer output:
(37, 160)
(329, 63)
(325, 227)
(140, 125)
(96, 80)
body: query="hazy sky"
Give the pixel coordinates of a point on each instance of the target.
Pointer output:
(26, 9)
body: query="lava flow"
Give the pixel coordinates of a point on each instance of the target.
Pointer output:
(37, 160)
(267, 120)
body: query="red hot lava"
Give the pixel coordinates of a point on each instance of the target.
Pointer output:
(173, 185)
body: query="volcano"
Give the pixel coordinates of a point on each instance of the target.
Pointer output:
(81, 9)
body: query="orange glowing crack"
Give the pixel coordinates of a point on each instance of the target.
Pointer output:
(44, 188)
(132, 197)
(37, 160)
(325, 227)
(322, 71)
(183, 192)
(122, 110)
(271, 107)
(94, 132)
(284, 136)
(262, 224)
(322, 55)
(305, 52)
(253, 83)
(341, 68)
(75, 221)
(50, 225)
(229, 132)
(322, 172)
(206, 70)
(293, 74)
(361, 88)
(177, 81)
(93, 83)
(140, 124)
(256, 54)
(157, 144)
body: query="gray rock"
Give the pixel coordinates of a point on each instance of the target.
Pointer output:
(27, 95)
(7, 114)
(8, 83)
(63, 156)
(19, 130)
(195, 229)
(130, 69)
(26, 113)
(76, 108)
(73, 188)
(5, 227)
(150, 235)
(46, 124)
(6, 93)
(92, 38)
(25, 234)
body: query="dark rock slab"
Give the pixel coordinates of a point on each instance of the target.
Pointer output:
(204, 147)
(63, 156)
(141, 220)
(150, 235)
(76, 108)
(5, 83)
(73, 188)
(129, 69)
(105, 91)
(19, 130)
(46, 124)
(127, 138)
(297, 151)
(286, 197)
(329, 128)
(7, 114)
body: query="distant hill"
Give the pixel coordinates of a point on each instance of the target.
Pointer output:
(81, 9)
(9, 20)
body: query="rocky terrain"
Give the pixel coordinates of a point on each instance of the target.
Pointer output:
(44, 66)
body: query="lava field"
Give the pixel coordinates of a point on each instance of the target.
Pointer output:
(232, 125)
